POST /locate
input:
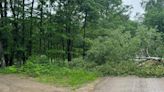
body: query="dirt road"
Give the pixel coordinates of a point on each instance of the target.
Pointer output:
(130, 84)
(11, 83)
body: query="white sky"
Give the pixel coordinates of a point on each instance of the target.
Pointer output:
(136, 4)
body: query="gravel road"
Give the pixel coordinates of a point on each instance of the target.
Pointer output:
(130, 84)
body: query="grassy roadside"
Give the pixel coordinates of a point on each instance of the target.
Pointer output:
(59, 76)
(55, 75)
(78, 72)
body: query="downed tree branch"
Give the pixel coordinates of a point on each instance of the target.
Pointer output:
(148, 58)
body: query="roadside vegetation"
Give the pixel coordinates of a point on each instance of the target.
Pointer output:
(79, 72)
(59, 73)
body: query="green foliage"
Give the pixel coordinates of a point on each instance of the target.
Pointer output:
(68, 77)
(117, 45)
(82, 64)
(54, 74)
(155, 14)
(150, 69)
(151, 40)
(118, 68)
(71, 74)
(126, 68)
(57, 30)
(78, 72)
(9, 70)
(42, 59)
(77, 62)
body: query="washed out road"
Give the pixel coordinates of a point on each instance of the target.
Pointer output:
(130, 84)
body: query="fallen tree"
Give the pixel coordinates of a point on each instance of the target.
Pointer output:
(159, 59)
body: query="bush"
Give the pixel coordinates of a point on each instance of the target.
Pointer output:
(131, 68)
(8, 70)
(43, 59)
(117, 68)
(77, 62)
(117, 46)
(66, 75)
(81, 63)
(151, 70)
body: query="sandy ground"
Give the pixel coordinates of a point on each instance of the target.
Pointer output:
(12, 83)
(130, 84)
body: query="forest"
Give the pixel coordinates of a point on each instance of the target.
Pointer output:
(80, 39)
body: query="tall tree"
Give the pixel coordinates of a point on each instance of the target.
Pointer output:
(155, 14)
(29, 47)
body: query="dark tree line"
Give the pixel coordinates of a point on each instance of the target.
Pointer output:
(58, 29)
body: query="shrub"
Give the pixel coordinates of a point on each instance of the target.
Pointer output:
(42, 59)
(117, 46)
(126, 68)
(81, 63)
(70, 75)
(77, 62)
(117, 68)
(8, 70)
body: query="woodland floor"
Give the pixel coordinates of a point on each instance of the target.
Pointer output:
(13, 83)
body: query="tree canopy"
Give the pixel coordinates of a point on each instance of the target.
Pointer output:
(68, 29)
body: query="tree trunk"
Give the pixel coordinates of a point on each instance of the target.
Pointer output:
(5, 8)
(3, 42)
(84, 34)
(69, 45)
(14, 33)
(2, 61)
(31, 28)
(1, 9)
(41, 29)
(23, 56)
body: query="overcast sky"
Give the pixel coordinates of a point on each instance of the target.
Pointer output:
(136, 4)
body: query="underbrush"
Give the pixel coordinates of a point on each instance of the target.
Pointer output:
(124, 68)
(78, 72)
(53, 72)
